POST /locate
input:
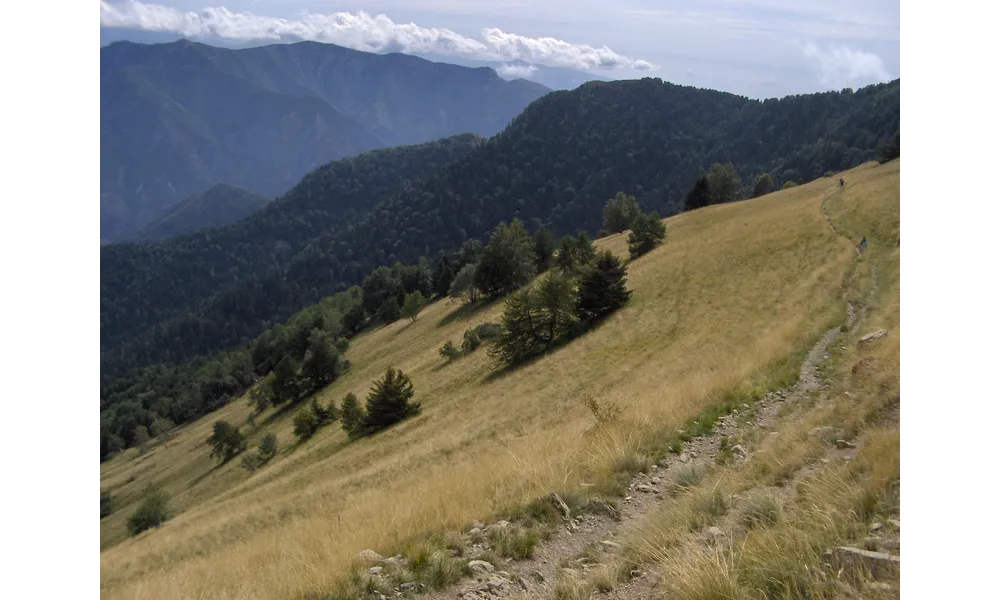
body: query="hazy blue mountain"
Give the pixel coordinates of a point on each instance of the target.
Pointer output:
(217, 206)
(179, 117)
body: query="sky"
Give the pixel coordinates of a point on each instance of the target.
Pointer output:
(755, 48)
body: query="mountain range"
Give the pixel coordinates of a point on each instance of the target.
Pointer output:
(180, 117)
(555, 165)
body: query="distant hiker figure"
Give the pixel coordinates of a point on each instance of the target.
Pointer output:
(862, 245)
(841, 183)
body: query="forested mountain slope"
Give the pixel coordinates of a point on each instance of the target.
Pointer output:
(178, 118)
(555, 165)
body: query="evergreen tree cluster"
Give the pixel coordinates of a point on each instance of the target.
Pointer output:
(389, 402)
(560, 306)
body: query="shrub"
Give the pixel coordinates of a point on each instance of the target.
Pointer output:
(342, 345)
(761, 511)
(534, 318)
(688, 476)
(324, 414)
(700, 194)
(544, 247)
(724, 183)
(450, 351)
(268, 448)
(789, 184)
(763, 185)
(141, 439)
(305, 424)
(153, 512)
(488, 331)
(470, 341)
(606, 412)
(250, 461)
(107, 507)
(389, 311)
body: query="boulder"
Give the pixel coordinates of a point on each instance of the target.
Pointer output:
(481, 566)
(871, 337)
(370, 555)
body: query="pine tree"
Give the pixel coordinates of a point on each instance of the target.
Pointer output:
(352, 417)
(602, 289)
(544, 247)
(389, 401)
(700, 195)
(354, 319)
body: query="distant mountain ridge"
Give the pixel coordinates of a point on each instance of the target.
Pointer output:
(217, 206)
(179, 117)
(555, 78)
(554, 166)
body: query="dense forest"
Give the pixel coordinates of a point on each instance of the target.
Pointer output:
(178, 118)
(197, 266)
(555, 166)
(218, 206)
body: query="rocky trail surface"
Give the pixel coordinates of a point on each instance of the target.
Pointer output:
(596, 538)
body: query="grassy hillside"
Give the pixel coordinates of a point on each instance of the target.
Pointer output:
(556, 165)
(217, 206)
(728, 305)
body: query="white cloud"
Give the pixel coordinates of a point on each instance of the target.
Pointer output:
(517, 71)
(842, 67)
(362, 31)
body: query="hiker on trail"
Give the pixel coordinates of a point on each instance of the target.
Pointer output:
(863, 244)
(841, 182)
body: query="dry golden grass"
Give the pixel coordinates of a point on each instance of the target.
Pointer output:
(734, 289)
(830, 503)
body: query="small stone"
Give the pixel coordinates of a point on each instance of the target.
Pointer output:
(375, 571)
(685, 457)
(408, 586)
(628, 498)
(475, 531)
(609, 545)
(844, 445)
(880, 586)
(655, 480)
(648, 489)
(495, 583)
(716, 533)
(369, 555)
(481, 566)
(477, 525)
(557, 501)
(739, 450)
(879, 564)
(876, 527)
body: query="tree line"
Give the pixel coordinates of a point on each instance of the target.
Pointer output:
(289, 362)
(553, 167)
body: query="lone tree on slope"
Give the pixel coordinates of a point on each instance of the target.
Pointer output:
(390, 401)
(602, 289)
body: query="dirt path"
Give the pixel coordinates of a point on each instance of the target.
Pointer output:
(536, 578)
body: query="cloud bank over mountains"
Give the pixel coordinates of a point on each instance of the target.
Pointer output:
(365, 32)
